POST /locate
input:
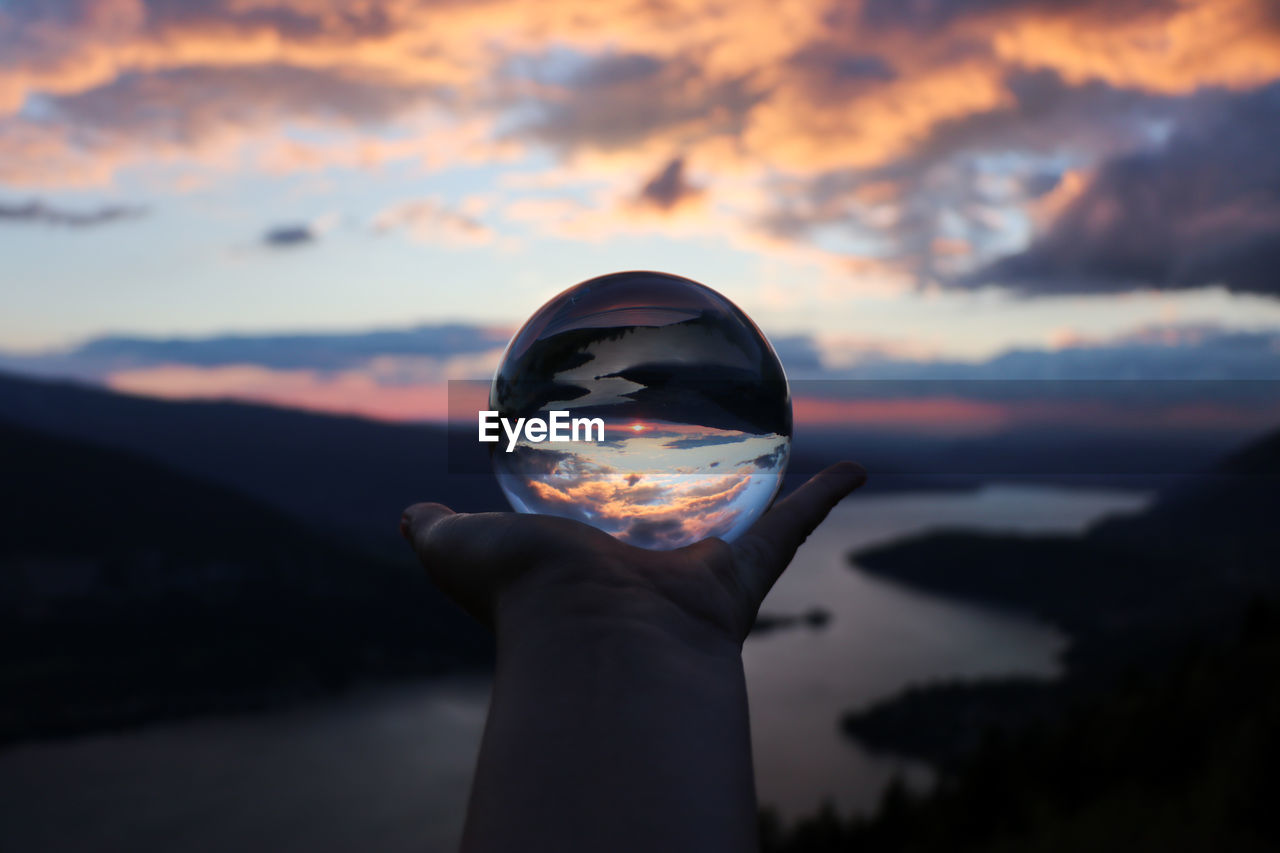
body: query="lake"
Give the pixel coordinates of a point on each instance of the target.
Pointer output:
(389, 769)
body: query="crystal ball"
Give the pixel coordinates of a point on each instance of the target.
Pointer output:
(685, 410)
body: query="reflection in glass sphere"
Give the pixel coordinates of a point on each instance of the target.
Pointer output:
(696, 411)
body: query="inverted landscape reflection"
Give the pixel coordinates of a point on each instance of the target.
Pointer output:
(695, 404)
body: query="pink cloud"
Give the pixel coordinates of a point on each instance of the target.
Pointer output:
(343, 392)
(930, 414)
(386, 397)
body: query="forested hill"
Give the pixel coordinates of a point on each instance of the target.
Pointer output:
(129, 591)
(1207, 541)
(1133, 592)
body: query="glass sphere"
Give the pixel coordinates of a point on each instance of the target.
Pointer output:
(692, 404)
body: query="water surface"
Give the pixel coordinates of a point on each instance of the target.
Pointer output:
(388, 770)
(883, 637)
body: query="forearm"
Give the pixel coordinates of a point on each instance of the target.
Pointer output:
(613, 734)
(619, 714)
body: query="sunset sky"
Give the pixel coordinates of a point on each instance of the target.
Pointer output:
(906, 181)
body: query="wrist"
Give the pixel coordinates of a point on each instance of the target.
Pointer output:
(557, 614)
(610, 696)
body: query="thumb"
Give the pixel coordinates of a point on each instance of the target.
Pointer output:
(769, 545)
(417, 521)
(464, 554)
(420, 524)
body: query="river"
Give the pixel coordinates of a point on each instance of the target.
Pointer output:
(388, 769)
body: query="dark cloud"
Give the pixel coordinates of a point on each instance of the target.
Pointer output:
(796, 352)
(46, 214)
(669, 188)
(1156, 352)
(615, 102)
(767, 461)
(289, 236)
(616, 70)
(1038, 184)
(189, 105)
(924, 17)
(292, 352)
(363, 20)
(705, 441)
(944, 191)
(832, 72)
(656, 533)
(543, 462)
(110, 84)
(915, 109)
(1203, 209)
(163, 17)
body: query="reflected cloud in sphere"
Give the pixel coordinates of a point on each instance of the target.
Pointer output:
(695, 404)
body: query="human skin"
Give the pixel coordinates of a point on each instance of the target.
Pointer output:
(619, 719)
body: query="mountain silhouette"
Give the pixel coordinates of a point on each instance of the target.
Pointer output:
(1213, 536)
(129, 591)
(347, 476)
(1133, 592)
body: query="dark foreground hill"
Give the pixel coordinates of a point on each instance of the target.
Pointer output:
(1132, 592)
(1161, 736)
(129, 591)
(351, 477)
(1168, 762)
(348, 476)
(219, 599)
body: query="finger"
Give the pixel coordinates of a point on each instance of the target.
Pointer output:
(462, 541)
(471, 555)
(451, 547)
(766, 549)
(433, 540)
(417, 520)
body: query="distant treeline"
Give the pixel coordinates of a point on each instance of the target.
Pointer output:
(130, 592)
(1162, 733)
(1168, 763)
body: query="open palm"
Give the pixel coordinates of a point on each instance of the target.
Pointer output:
(490, 561)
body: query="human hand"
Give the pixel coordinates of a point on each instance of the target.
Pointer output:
(619, 718)
(510, 570)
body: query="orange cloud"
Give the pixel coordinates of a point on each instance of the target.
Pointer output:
(807, 131)
(741, 72)
(1173, 50)
(756, 98)
(677, 510)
